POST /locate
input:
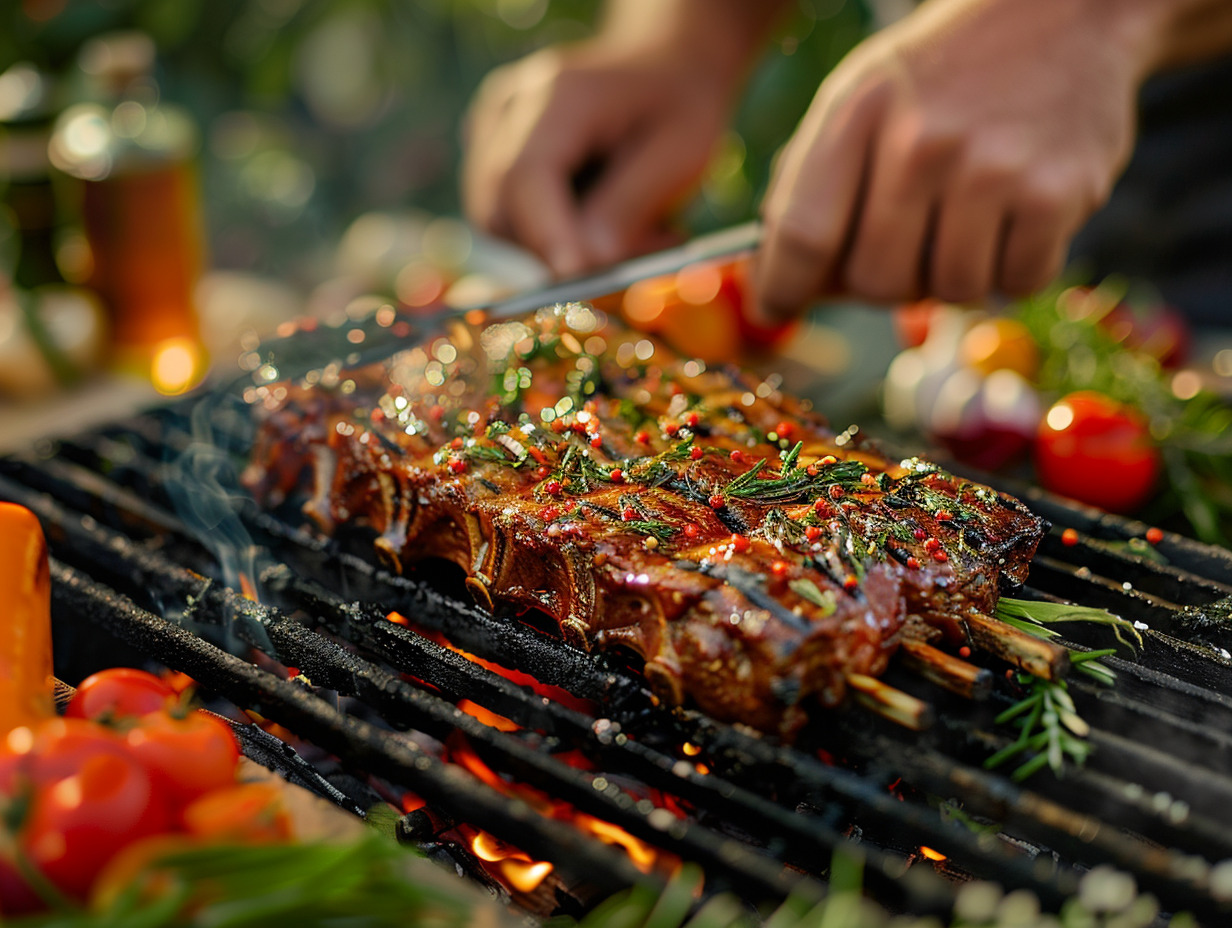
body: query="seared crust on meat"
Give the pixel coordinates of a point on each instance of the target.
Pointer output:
(753, 557)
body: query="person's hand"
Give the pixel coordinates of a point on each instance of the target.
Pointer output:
(953, 154)
(636, 111)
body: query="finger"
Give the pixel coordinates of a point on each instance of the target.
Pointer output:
(484, 159)
(1038, 236)
(810, 206)
(642, 181)
(542, 214)
(910, 166)
(970, 234)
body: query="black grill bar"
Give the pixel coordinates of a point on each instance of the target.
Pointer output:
(316, 719)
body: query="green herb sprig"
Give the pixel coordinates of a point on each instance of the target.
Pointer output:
(1049, 727)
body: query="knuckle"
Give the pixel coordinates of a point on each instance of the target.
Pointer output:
(929, 150)
(874, 282)
(1048, 195)
(801, 233)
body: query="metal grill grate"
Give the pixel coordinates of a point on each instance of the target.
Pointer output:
(1154, 799)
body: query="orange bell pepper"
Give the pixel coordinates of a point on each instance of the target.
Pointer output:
(25, 620)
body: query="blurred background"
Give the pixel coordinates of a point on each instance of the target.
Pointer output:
(180, 179)
(313, 112)
(236, 163)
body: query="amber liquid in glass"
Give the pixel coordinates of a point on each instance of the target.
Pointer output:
(145, 231)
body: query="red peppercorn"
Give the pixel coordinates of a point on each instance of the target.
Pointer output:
(558, 426)
(944, 515)
(671, 429)
(1154, 535)
(457, 465)
(596, 442)
(717, 501)
(616, 475)
(940, 556)
(691, 530)
(784, 430)
(628, 514)
(738, 456)
(695, 453)
(811, 470)
(642, 437)
(542, 471)
(964, 651)
(740, 543)
(550, 514)
(1069, 537)
(913, 563)
(836, 492)
(692, 419)
(850, 582)
(779, 568)
(812, 533)
(553, 487)
(919, 534)
(456, 444)
(822, 508)
(932, 544)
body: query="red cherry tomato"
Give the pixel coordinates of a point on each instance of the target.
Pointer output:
(188, 756)
(51, 751)
(912, 321)
(119, 692)
(1098, 451)
(250, 813)
(77, 823)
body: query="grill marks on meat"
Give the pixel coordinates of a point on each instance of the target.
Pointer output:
(753, 557)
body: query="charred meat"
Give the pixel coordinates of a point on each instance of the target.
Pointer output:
(755, 558)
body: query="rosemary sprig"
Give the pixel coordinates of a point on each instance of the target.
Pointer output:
(1049, 727)
(793, 484)
(1036, 618)
(806, 589)
(660, 530)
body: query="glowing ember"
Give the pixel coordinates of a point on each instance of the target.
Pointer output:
(641, 854)
(489, 718)
(931, 854)
(554, 693)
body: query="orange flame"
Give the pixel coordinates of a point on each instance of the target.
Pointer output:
(641, 854)
(931, 854)
(512, 866)
(248, 588)
(515, 867)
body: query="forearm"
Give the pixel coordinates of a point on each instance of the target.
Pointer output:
(723, 36)
(1164, 34)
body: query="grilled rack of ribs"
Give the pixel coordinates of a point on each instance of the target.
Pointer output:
(758, 561)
